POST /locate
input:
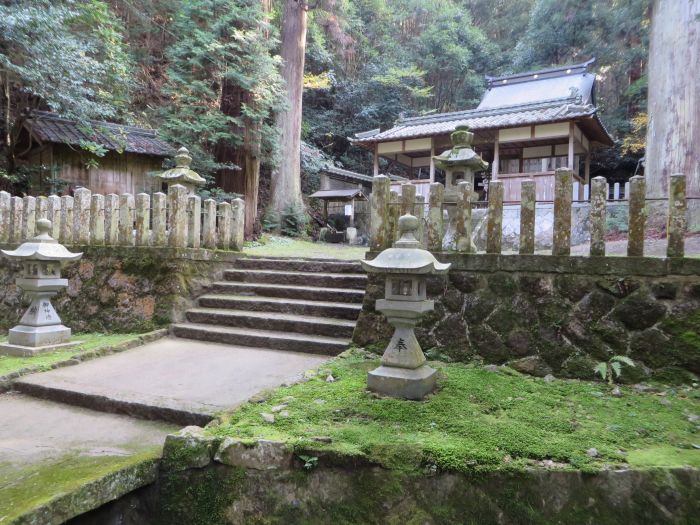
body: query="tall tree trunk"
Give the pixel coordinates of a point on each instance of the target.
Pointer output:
(247, 155)
(286, 179)
(673, 133)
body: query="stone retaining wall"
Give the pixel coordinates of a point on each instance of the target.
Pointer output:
(121, 289)
(559, 315)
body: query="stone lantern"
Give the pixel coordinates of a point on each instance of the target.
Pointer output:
(182, 174)
(40, 328)
(403, 372)
(461, 159)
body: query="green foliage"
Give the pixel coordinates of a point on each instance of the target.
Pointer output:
(219, 49)
(612, 369)
(67, 55)
(293, 221)
(310, 462)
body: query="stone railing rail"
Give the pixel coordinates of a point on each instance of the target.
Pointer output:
(386, 206)
(175, 220)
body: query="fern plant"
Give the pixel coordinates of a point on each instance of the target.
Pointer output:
(293, 221)
(612, 369)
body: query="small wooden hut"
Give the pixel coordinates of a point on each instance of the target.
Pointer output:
(54, 146)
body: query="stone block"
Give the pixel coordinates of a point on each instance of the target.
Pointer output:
(403, 383)
(263, 455)
(188, 448)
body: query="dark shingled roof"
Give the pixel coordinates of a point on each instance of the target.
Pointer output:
(354, 176)
(48, 127)
(537, 97)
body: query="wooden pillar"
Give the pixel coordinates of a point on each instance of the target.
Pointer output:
(495, 163)
(432, 160)
(570, 160)
(376, 159)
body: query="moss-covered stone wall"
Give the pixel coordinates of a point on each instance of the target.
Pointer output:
(121, 289)
(219, 495)
(559, 315)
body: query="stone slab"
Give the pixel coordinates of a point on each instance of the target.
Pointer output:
(28, 351)
(59, 461)
(182, 381)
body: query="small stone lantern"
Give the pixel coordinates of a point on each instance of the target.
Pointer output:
(40, 328)
(182, 174)
(403, 372)
(460, 159)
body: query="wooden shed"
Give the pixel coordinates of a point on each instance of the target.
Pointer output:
(54, 146)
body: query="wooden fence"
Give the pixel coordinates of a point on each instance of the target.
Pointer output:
(386, 206)
(175, 220)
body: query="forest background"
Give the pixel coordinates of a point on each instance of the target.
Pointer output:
(206, 73)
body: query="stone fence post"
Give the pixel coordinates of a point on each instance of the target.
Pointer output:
(463, 218)
(112, 219)
(126, 219)
(16, 205)
(599, 197)
(561, 244)
(28, 218)
(66, 219)
(435, 230)
(224, 225)
(143, 219)
(177, 217)
(420, 214)
(209, 224)
(194, 221)
(677, 220)
(4, 217)
(637, 216)
(42, 204)
(53, 213)
(81, 215)
(408, 198)
(528, 202)
(393, 212)
(494, 230)
(379, 200)
(97, 220)
(238, 224)
(158, 217)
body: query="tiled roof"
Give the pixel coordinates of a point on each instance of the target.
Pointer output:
(556, 110)
(338, 194)
(48, 127)
(352, 175)
(537, 97)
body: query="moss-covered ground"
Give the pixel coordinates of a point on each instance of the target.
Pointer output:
(478, 420)
(90, 343)
(272, 246)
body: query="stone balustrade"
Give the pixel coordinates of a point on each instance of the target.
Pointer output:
(176, 220)
(387, 205)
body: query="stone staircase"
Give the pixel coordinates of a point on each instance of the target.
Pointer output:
(281, 304)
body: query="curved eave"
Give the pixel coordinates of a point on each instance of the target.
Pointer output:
(393, 260)
(42, 252)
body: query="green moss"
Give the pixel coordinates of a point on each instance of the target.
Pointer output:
(90, 343)
(478, 421)
(662, 456)
(24, 490)
(286, 247)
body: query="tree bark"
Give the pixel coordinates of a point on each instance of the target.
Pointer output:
(286, 179)
(673, 133)
(247, 155)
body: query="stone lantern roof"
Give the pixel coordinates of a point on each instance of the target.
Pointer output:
(406, 257)
(461, 155)
(43, 247)
(181, 173)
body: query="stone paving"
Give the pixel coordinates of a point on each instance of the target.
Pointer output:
(59, 460)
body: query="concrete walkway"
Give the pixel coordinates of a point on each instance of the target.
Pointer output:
(176, 380)
(70, 452)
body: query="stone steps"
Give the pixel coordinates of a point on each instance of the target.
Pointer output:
(295, 305)
(270, 339)
(272, 321)
(307, 293)
(320, 279)
(338, 310)
(299, 265)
